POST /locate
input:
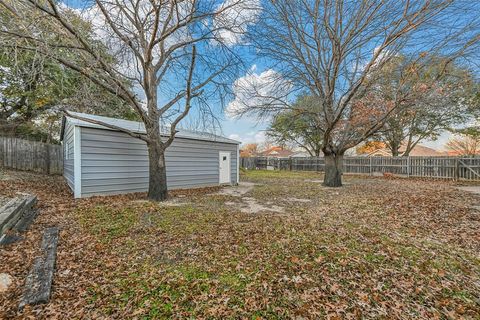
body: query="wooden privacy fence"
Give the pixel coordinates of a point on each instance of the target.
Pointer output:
(465, 168)
(28, 155)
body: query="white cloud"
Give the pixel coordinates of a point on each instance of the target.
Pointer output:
(382, 57)
(230, 19)
(234, 137)
(258, 137)
(255, 90)
(233, 19)
(121, 14)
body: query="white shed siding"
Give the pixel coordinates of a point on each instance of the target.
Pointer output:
(112, 162)
(68, 145)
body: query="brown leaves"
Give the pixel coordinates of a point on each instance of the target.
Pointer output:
(376, 248)
(295, 260)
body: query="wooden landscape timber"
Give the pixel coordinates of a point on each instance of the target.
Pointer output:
(39, 281)
(17, 214)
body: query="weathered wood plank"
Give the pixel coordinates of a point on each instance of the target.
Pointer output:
(22, 216)
(39, 281)
(9, 239)
(10, 213)
(15, 211)
(26, 220)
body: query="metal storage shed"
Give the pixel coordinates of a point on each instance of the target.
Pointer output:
(102, 161)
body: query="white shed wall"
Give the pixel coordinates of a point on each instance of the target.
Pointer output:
(68, 148)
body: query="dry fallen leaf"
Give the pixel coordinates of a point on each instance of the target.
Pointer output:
(372, 246)
(295, 259)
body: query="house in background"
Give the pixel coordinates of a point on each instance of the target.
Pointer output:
(102, 161)
(300, 154)
(418, 151)
(276, 152)
(303, 154)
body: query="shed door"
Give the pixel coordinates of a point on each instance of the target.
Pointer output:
(224, 167)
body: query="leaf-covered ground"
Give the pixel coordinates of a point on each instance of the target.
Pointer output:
(375, 248)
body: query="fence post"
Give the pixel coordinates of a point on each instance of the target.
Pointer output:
(290, 164)
(2, 151)
(457, 168)
(47, 158)
(408, 166)
(370, 165)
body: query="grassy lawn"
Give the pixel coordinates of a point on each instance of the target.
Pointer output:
(287, 247)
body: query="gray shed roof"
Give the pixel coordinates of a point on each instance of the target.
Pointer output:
(139, 127)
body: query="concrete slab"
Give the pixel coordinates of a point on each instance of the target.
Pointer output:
(472, 189)
(237, 191)
(251, 205)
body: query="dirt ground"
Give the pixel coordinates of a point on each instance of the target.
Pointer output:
(280, 245)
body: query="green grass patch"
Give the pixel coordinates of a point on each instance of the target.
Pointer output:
(359, 249)
(270, 175)
(108, 223)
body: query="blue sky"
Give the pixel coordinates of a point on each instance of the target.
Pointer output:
(245, 129)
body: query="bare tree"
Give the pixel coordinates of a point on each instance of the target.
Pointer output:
(178, 55)
(333, 49)
(466, 143)
(249, 150)
(431, 94)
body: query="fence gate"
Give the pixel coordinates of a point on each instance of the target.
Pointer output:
(468, 168)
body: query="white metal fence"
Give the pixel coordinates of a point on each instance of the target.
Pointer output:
(465, 168)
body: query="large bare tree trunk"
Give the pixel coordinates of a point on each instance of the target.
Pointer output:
(333, 170)
(157, 183)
